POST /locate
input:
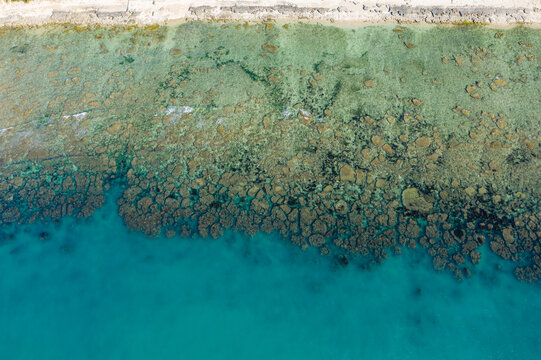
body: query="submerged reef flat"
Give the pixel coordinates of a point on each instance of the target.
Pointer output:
(359, 142)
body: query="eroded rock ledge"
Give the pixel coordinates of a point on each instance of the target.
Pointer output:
(109, 12)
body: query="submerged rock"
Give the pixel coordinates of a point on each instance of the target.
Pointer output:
(347, 174)
(415, 201)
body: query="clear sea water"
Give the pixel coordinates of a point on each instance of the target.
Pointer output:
(93, 290)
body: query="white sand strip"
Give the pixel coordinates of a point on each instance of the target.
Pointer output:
(493, 12)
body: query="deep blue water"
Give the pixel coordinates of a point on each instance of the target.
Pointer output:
(94, 290)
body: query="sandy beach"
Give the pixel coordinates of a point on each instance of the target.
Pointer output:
(143, 12)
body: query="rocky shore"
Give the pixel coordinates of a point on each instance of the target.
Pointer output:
(144, 12)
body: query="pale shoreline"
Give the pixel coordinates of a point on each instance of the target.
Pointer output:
(496, 13)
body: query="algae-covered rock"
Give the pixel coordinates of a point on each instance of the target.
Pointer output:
(347, 174)
(413, 200)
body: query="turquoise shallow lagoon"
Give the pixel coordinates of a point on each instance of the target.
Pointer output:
(90, 289)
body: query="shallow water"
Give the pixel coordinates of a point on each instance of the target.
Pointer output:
(364, 140)
(93, 289)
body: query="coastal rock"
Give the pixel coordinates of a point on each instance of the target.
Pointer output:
(341, 207)
(507, 234)
(369, 84)
(11, 214)
(475, 256)
(347, 174)
(422, 142)
(316, 240)
(415, 201)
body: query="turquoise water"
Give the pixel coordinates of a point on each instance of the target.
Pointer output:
(91, 289)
